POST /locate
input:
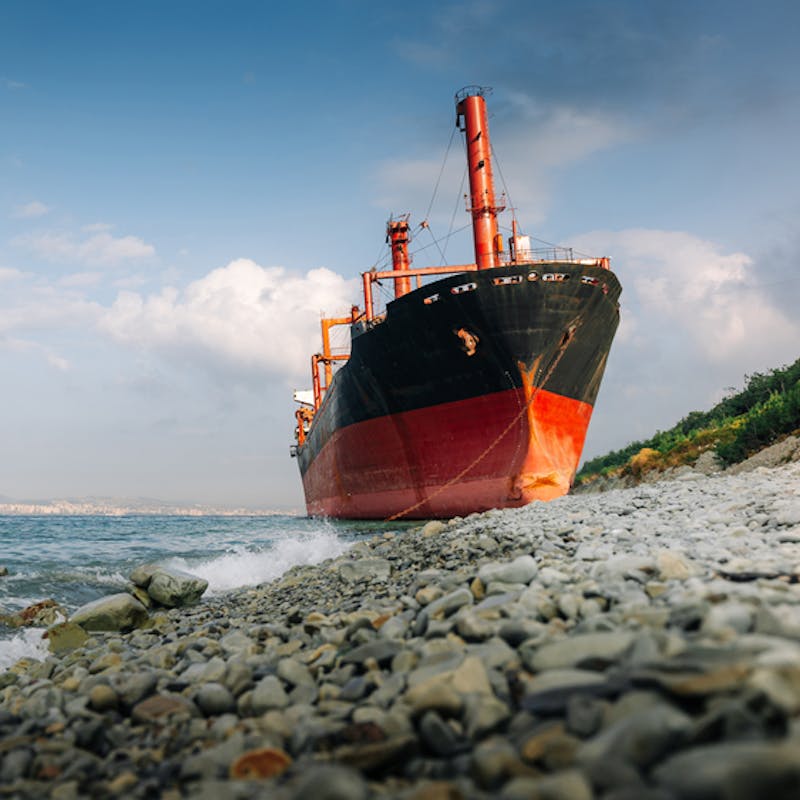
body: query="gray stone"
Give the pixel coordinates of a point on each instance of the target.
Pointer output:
(304, 694)
(496, 654)
(565, 785)
(131, 688)
(393, 628)
(330, 783)
(102, 698)
(451, 602)
(269, 694)
(493, 761)
(174, 588)
(707, 463)
(381, 650)
(470, 677)
(621, 567)
(213, 761)
(522, 569)
(733, 771)
(594, 649)
(365, 569)
(550, 691)
(117, 612)
(295, 673)
(484, 714)
(733, 616)
(238, 677)
(161, 708)
(473, 627)
(439, 737)
(641, 738)
(15, 764)
(214, 699)
(440, 667)
(65, 636)
(584, 715)
(142, 574)
(515, 631)
(237, 643)
(434, 695)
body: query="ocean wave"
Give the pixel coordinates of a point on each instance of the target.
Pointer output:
(245, 566)
(27, 643)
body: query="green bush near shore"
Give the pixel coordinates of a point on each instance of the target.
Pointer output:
(767, 409)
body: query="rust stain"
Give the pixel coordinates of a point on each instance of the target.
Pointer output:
(469, 341)
(267, 762)
(544, 473)
(528, 376)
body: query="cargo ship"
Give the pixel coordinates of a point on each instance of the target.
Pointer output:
(474, 388)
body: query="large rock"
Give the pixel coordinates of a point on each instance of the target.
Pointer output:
(65, 636)
(174, 588)
(39, 615)
(143, 573)
(117, 612)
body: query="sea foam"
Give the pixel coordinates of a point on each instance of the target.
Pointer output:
(246, 566)
(28, 643)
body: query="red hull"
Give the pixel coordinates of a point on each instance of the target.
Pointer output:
(451, 459)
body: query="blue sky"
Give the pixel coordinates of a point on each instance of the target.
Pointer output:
(184, 186)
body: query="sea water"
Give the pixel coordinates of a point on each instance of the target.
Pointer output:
(76, 559)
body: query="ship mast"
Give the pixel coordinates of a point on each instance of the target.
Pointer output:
(398, 237)
(472, 119)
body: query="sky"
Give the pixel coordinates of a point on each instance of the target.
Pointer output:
(185, 186)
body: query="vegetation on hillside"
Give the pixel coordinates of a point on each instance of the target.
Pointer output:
(767, 409)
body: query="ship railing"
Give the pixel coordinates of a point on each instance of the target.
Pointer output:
(543, 254)
(373, 277)
(548, 255)
(552, 255)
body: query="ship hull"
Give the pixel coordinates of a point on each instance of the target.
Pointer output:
(474, 392)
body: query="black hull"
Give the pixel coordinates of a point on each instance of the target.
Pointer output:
(549, 323)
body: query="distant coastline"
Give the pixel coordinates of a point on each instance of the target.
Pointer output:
(124, 507)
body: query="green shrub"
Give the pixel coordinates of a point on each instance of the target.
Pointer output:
(741, 423)
(779, 415)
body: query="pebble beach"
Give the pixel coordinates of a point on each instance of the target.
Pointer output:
(636, 644)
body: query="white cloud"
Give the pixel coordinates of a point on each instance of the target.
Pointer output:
(132, 281)
(26, 346)
(30, 210)
(562, 134)
(44, 309)
(10, 274)
(100, 248)
(677, 283)
(81, 279)
(12, 85)
(694, 320)
(241, 318)
(543, 140)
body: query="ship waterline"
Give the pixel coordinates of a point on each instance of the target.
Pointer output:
(450, 460)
